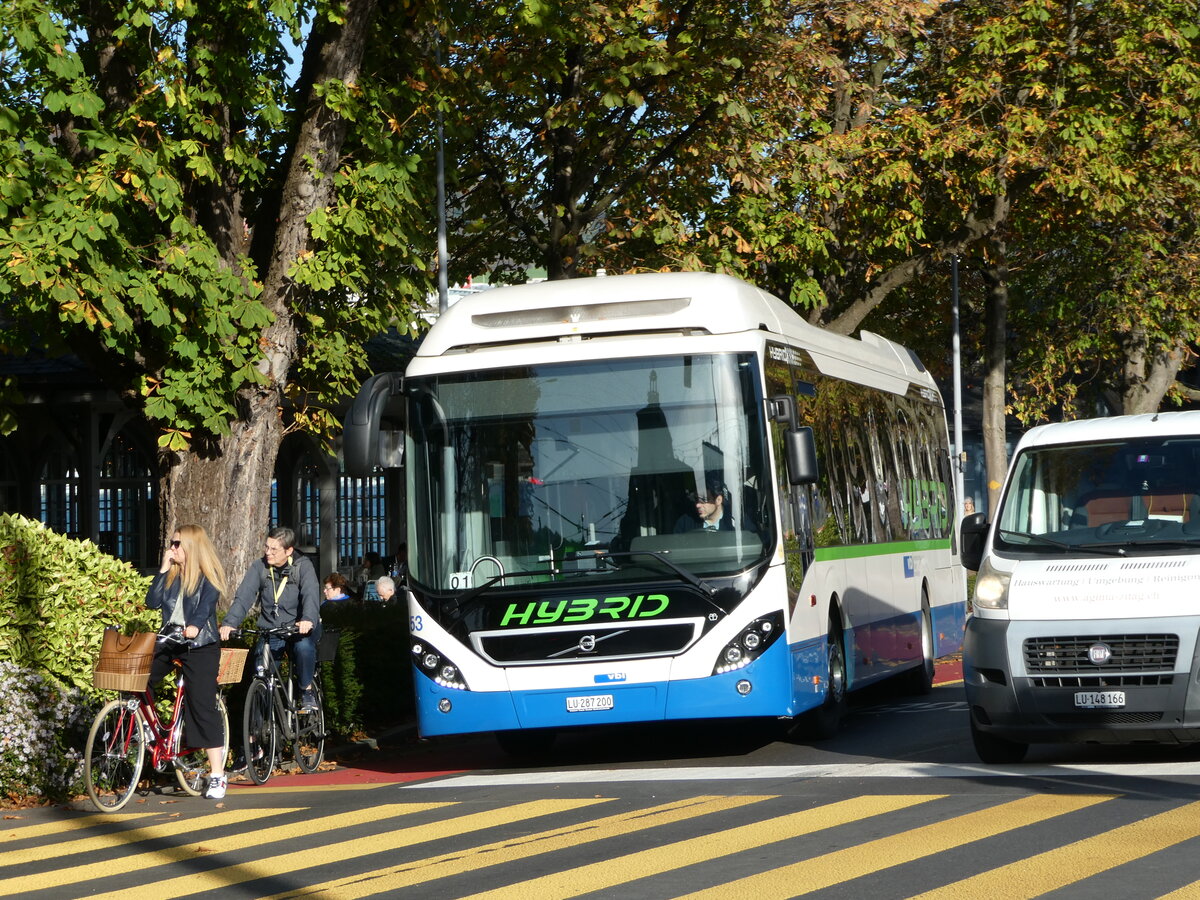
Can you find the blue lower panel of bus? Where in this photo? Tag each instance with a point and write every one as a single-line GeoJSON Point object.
{"type": "Point", "coordinates": [770, 677]}
{"type": "Point", "coordinates": [949, 623]}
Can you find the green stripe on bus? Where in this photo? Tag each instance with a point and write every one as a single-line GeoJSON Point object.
{"type": "Point", "coordinates": [823, 554]}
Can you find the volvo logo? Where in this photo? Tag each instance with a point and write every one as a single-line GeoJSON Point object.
{"type": "Point", "coordinates": [587, 643]}
{"type": "Point", "coordinates": [1100, 653]}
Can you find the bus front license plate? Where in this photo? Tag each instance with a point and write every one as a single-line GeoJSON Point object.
{"type": "Point", "coordinates": [1100, 699]}
{"type": "Point", "coordinates": [590, 704]}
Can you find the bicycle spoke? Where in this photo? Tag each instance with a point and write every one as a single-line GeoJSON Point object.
{"type": "Point", "coordinates": [114, 756]}
{"type": "Point", "coordinates": [310, 738]}
{"type": "Point", "coordinates": [259, 733]}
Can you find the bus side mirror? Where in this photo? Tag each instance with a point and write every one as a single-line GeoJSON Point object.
{"type": "Point", "coordinates": [972, 540]}
{"type": "Point", "coordinates": [801, 449]}
{"type": "Point", "coordinates": [360, 430]}
{"type": "Point", "coordinates": [799, 446]}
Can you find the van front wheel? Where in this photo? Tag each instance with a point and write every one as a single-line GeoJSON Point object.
{"type": "Point", "coordinates": [995, 750]}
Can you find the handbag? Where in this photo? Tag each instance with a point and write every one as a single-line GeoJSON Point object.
{"type": "Point", "coordinates": [124, 662]}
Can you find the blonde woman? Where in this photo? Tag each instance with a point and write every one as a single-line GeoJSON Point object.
{"type": "Point", "coordinates": [188, 587]}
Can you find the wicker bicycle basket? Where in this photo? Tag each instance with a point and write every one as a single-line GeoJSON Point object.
{"type": "Point", "coordinates": [233, 661]}
{"type": "Point", "coordinates": [126, 672]}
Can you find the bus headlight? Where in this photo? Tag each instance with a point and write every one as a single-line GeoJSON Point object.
{"type": "Point", "coordinates": [991, 587]}
{"type": "Point", "coordinates": [750, 643]}
{"type": "Point", "coordinates": [430, 662]}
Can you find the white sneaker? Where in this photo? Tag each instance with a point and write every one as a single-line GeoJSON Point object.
{"type": "Point", "coordinates": [216, 787]}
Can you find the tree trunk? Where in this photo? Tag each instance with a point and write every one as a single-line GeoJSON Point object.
{"type": "Point", "coordinates": [995, 448]}
{"type": "Point", "coordinates": [229, 493]}
{"type": "Point", "coordinates": [1148, 374]}
{"type": "Point", "coordinates": [225, 484]}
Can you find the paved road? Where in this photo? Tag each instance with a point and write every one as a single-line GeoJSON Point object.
{"type": "Point", "coordinates": [894, 807]}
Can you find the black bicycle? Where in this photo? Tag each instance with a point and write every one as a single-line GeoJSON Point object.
{"type": "Point", "coordinates": [274, 717]}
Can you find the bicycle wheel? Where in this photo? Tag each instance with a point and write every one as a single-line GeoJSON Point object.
{"type": "Point", "coordinates": [191, 765]}
{"type": "Point", "coordinates": [310, 735]}
{"type": "Point", "coordinates": [260, 733]}
{"type": "Point", "coordinates": [113, 759]}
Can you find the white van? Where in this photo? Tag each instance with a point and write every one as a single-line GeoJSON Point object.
{"type": "Point", "coordinates": [1087, 601]}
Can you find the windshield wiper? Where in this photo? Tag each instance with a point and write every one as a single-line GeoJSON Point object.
{"type": "Point", "coordinates": [1178, 543]}
{"type": "Point", "coordinates": [1042, 540]}
{"type": "Point", "coordinates": [683, 573]}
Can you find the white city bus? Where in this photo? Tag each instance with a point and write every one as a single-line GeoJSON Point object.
{"type": "Point", "coordinates": [566, 445]}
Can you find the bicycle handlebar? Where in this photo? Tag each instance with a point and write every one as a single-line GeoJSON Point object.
{"type": "Point", "coordinates": [172, 636]}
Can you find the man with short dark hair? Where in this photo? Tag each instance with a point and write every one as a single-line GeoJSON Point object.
{"type": "Point", "coordinates": [288, 592]}
{"type": "Point", "coordinates": [712, 511]}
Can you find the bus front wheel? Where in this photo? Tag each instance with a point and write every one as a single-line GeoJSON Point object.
{"type": "Point", "coordinates": [823, 722]}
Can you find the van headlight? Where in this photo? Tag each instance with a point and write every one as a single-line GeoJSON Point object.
{"type": "Point", "coordinates": [991, 587]}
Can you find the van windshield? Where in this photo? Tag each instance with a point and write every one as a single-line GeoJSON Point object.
{"type": "Point", "coordinates": [1134, 496]}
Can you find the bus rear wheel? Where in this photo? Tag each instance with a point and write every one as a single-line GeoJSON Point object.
{"type": "Point", "coordinates": [920, 679]}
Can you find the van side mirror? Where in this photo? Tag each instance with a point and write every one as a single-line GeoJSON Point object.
{"type": "Point", "coordinates": [972, 540]}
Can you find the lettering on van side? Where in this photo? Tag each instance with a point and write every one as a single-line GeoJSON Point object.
{"type": "Point", "coordinates": [584, 609]}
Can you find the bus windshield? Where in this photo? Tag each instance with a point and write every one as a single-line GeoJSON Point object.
{"type": "Point", "coordinates": [1113, 497]}
{"type": "Point", "coordinates": [575, 469]}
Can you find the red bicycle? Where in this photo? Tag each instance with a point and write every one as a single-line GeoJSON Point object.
{"type": "Point", "coordinates": [126, 727]}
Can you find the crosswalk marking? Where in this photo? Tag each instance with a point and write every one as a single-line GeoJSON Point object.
{"type": "Point", "coordinates": [151, 859]}
{"type": "Point", "coordinates": [127, 836]}
{"type": "Point", "coordinates": [525, 847]}
{"type": "Point", "coordinates": [1057, 868]}
{"type": "Point", "coordinates": [863, 859]}
{"type": "Point", "coordinates": [71, 823]}
{"type": "Point", "coordinates": [598, 843]}
{"type": "Point", "coordinates": [655, 861]}
{"type": "Point", "coordinates": [1187, 892]}
{"type": "Point", "coordinates": [239, 873]}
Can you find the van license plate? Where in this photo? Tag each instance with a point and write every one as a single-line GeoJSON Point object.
{"type": "Point", "coordinates": [588, 704]}
{"type": "Point", "coordinates": [1099, 699]}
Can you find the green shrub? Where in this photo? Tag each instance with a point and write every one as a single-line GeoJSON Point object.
{"type": "Point", "coordinates": [57, 595]}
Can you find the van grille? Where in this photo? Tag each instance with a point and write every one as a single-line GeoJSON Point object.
{"type": "Point", "coordinates": [1099, 682]}
{"type": "Point", "coordinates": [1130, 653]}
{"type": "Point", "coordinates": [1082, 720]}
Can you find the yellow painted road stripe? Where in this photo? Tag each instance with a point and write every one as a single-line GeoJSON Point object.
{"type": "Point", "coordinates": [326, 854]}
{"type": "Point", "coordinates": [199, 847]}
{"type": "Point", "coordinates": [124, 837]}
{"type": "Point", "coordinates": [74, 823]}
{"type": "Point", "coordinates": [1057, 868]}
{"type": "Point", "coordinates": [1187, 892]}
{"type": "Point", "coordinates": [620, 870]}
{"type": "Point", "coordinates": [863, 859]}
{"type": "Point", "coordinates": [519, 848]}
